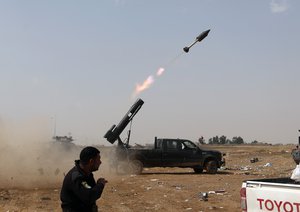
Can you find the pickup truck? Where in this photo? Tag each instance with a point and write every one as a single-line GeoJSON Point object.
{"type": "Point", "coordinates": [277, 194]}
{"type": "Point", "coordinates": [168, 152]}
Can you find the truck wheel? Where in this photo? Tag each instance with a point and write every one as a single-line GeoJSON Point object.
{"type": "Point", "coordinates": [198, 170]}
{"type": "Point", "coordinates": [136, 167]}
{"type": "Point", "coordinates": [211, 167]}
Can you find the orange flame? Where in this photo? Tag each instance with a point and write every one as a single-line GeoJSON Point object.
{"type": "Point", "coordinates": [141, 87]}
{"type": "Point", "coordinates": [147, 83]}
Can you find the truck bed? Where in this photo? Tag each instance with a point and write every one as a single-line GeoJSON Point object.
{"type": "Point", "coordinates": [284, 180]}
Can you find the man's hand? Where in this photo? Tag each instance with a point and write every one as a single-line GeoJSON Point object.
{"type": "Point", "coordinates": [102, 181]}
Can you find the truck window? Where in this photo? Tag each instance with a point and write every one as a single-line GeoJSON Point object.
{"type": "Point", "coordinates": [158, 144]}
{"type": "Point", "coordinates": [172, 145]}
{"type": "Point", "coordinates": [189, 144]}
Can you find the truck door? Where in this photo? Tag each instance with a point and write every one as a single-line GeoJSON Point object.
{"type": "Point", "coordinates": [190, 153]}
{"type": "Point", "coordinates": [154, 156]}
{"type": "Point", "coordinates": [172, 154]}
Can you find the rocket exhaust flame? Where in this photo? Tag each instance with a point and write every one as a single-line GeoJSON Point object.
{"type": "Point", "coordinates": [141, 87]}
{"type": "Point", "coordinates": [147, 83]}
{"type": "Point", "coordinates": [150, 80]}
{"type": "Point", "coordinates": [160, 71]}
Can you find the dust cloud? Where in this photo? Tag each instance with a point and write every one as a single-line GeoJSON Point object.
{"type": "Point", "coordinates": [29, 159]}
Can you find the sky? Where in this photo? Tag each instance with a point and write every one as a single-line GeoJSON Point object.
{"type": "Point", "coordinates": [72, 67]}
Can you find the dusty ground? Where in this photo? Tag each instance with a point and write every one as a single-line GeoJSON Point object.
{"type": "Point", "coordinates": [161, 189]}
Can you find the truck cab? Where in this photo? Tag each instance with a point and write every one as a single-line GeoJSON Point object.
{"type": "Point", "coordinates": [178, 152]}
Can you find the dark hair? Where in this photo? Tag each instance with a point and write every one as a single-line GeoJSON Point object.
{"type": "Point", "coordinates": [88, 153]}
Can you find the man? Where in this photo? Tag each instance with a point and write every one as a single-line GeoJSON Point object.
{"type": "Point", "coordinates": [80, 190]}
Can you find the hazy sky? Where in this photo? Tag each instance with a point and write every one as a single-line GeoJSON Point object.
{"type": "Point", "coordinates": [78, 62]}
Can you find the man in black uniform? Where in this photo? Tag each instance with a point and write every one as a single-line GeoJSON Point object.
{"type": "Point", "coordinates": [80, 190]}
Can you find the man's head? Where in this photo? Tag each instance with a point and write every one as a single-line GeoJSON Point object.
{"type": "Point", "coordinates": [90, 158]}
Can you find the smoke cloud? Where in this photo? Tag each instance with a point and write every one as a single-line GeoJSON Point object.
{"type": "Point", "coordinates": [28, 158]}
{"type": "Point", "coordinates": [31, 159]}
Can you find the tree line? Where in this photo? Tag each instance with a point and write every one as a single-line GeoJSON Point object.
{"type": "Point", "coordinates": [224, 140]}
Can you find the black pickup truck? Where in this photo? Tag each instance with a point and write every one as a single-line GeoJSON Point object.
{"type": "Point", "coordinates": [165, 153]}
{"type": "Point", "coordinates": [168, 152]}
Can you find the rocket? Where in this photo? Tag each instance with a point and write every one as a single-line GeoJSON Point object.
{"type": "Point", "coordinates": [198, 39]}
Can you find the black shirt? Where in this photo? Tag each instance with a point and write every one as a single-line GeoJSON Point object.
{"type": "Point", "coordinates": [79, 191]}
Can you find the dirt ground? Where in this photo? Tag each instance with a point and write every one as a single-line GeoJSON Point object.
{"type": "Point", "coordinates": [160, 189]}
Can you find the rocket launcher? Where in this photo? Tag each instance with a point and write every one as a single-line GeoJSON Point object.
{"type": "Point", "coordinates": [114, 132]}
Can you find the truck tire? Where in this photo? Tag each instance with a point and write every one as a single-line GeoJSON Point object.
{"type": "Point", "coordinates": [136, 167]}
{"type": "Point", "coordinates": [198, 169]}
{"type": "Point", "coordinates": [211, 167]}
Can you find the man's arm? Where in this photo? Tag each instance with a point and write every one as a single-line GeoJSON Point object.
{"type": "Point", "coordinates": [85, 192]}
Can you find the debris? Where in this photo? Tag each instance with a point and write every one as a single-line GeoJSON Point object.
{"type": "Point", "coordinates": [217, 192]}
{"type": "Point", "coordinates": [45, 198]}
{"type": "Point", "coordinates": [268, 165]}
{"type": "Point", "coordinates": [204, 196]}
{"type": "Point", "coordinates": [160, 184]}
{"type": "Point", "coordinates": [245, 168]}
{"type": "Point", "coordinates": [178, 188]}
{"type": "Point", "coordinates": [253, 160]}
{"type": "Point", "coordinates": [154, 180]}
